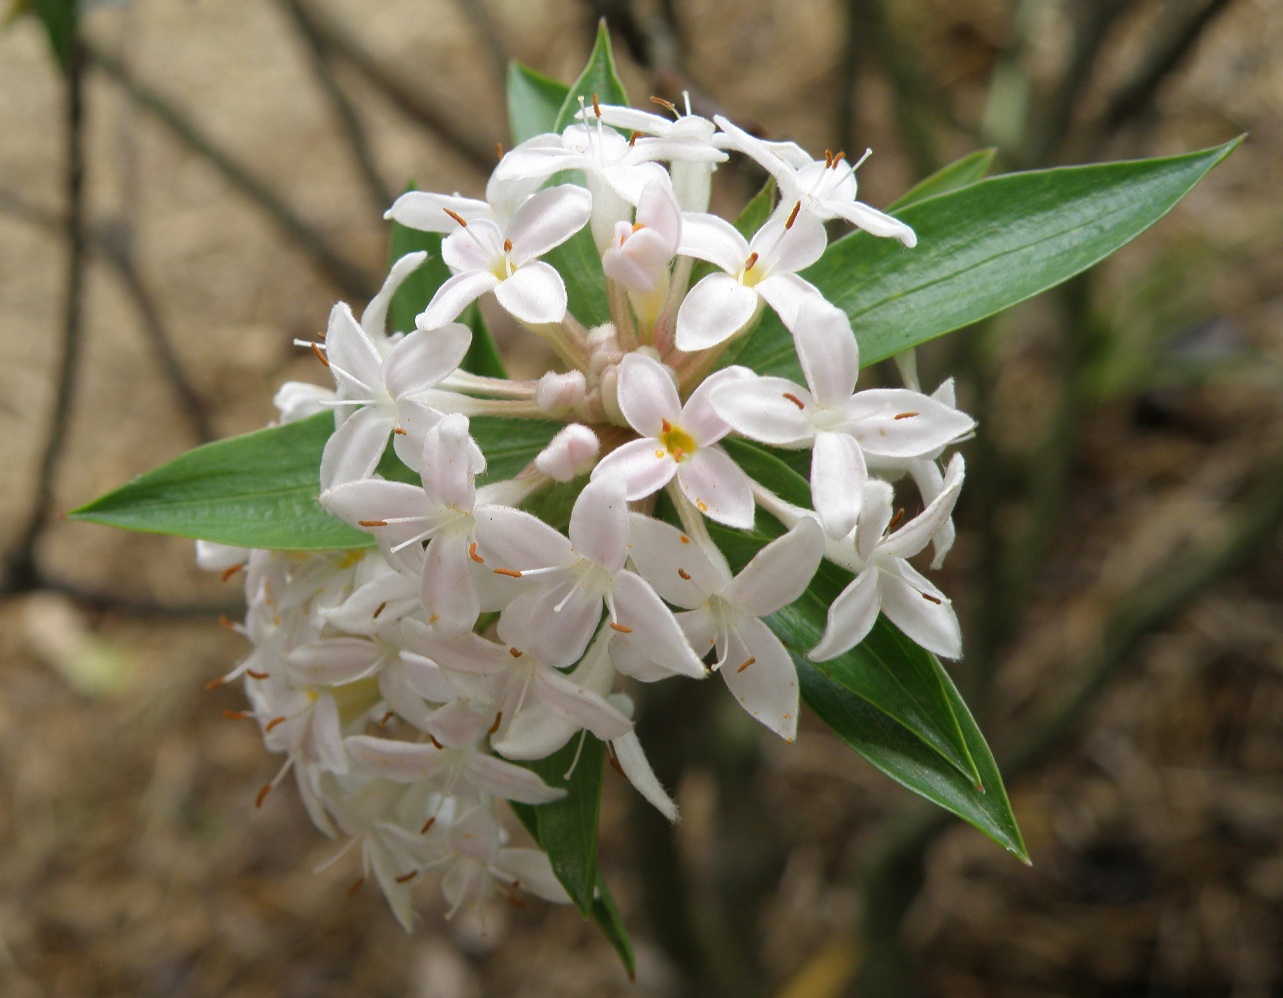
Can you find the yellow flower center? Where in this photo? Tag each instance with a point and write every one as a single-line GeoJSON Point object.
{"type": "Point", "coordinates": [679, 444]}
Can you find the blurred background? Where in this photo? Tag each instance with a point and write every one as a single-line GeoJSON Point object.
{"type": "Point", "coordinates": [225, 167]}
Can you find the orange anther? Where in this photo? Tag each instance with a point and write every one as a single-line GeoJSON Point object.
{"type": "Point", "coordinates": [793, 215]}
{"type": "Point", "coordinates": [226, 621]}
{"type": "Point", "coordinates": [904, 415]}
{"type": "Point", "coordinates": [472, 553]}
{"type": "Point", "coordinates": [685, 539]}
{"type": "Point", "coordinates": [595, 106]}
{"type": "Point", "coordinates": [379, 609]}
{"type": "Point", "coordinates": [255, 675]}
{"type": "Point", "coordinates": [456, 216]}
{"type": "Point", "coordinates": [214, 684]}
{"type": "Point", "coordinates": [427, 826]}
{"type": "Point", "coordinates": [382, 721]}
{"type": "Point", "coordinates": [258, 801]}
{"type": "Point", "coordinates": [745, 664]}
{"type": "Point", "coordinates": [895, 520]}
{"type": "Point", "coordinates": [231, 570]}
{"type": "Point", "coordinates": [751, 262]}
{"type": "Point", "coordinates": [236, 715]}
{"type": "Point", "coordinates": [632, 138]}
{"type": "Point", "coordinates": [372, 523]}
{"type": "Point", "coordinates": [507, 245]}
{"type": "Point", "coordinates": [621, 628]}
{"type": "Point", "coordinates": [498, 719]}
{"type": "Point", "coordinates": [320, 356]}
{"type": "Point", "coordinates": [684, 574]}
{"type": "Point", "coordinates": [433, 740]}
{"type": "Point", "coordinates": [931, 599]}
{"type": "Point", "coordinates": [498, 150]}
{"type": "Point", "coordinates": [795, 400]}
{"type": "Point", "coordinates": [512, 573]}
{"type": "Point", "coordinates": [515, 652]}
{"type": "Point", "coordinates": [272, 724]}
{"type": "Point", "coordinates": [356, 886]}
{"type": "Point", "coordinates": [405, 878]}
{"type": "Point", "coordinates": [398, 431]}
{"type": "Point", "coordinates": [664, 103]}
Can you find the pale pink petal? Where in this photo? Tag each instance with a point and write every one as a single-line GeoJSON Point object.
{"type": "Point", "coordinates": [677, 569]}
{"type": "Point", "coordinates": [503, 779]}
{"type": "Point", "coordinates": [788, 250]}
{"type": "Point", "coordinates": [599, 523]}
{"type": "Point", "coordinates": [898, 423]}
{"type": "Point", "coordinates": [475, 246]}
{"type": "Point", "coordinates": [647, 395]}
{"type": "Point", "coordinates": [780, 572]}
{"type": "Point", "coordinates": [407, 704]}
{"type": "Point", "coordinates": [334, 661]}
{"type": "Point", "coordinates": [921, 610]}
{"type": "Point", "coordinates": [632, 760]}
{"type": "Point", "coordinates": [714, 310]}
{"type": "Point", "coordinates": [711, 238]}
{"type": "Point", "coordinates": [455, 294]}
{"type": "Point", "coordinates": [403, 762]}
{"type": "Point", "coordinates": [838, 474]}
{"type": "Point", "coordinates": [424, 358]}
{"type": "Point", "coordinates": [354, 450]}
{"type": "Point", "coordinates": [874, 222]}
{"type": "Point", "coordinates": [374, 500]}
{"type": "Point", "coordinates": [354, 359]}
{"type": "Point", "coordinates": [658, 210]}
{"type": "Point", "coordinates": [326, 735]}
{"type": "Point", "coordinates": [717, 486]}
{"type": "Point", "coordinates": [699, 418]}
{"type": "Point", "coordinates": [761, 675]}
{"type": "Point", "coordinates": [548, 219]}
{"type": "Point", "coordinates": [514, 539]}
{"type": "Point", "coordinates": [579, 705]}
{"type": "Point", "coordinates": [787, 293]}
{"type": "Point", "coordinates": [643, 465]}
{"type": "Point", "coordinates": [426, 212]}
{"type": "Point", "coordinates": [531, 870]}
{"type": "Point", "coordinates": [446, 464]}
{"type": "Point", "coordinates": [652, 632]}
{"type": "Point", "coordinates": [448, 595]}
{"type": "Point", "coordinates": [828, 352]}
{"type": "Point", "coordinates": [535, 294]}
{"type": "Point", "coordinates": [851, 617]}
{"type": "Point", "coordinates": [772, 410]}
{"type": "Point", "coordinates": [559, 621]}
{"type": "Point", "coordinates": [375, 317]}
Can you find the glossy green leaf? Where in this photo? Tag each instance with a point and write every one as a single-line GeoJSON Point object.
{"type": "Point", "coordinates": [885, 669]}
{"type": "Point", "coordinates": [580, 267]}
{"type": "Point", "coordinates": [960, 173]}
{"type": "Point", "coordinates": [566, 829]}
{"type": "Point", "coordinates": [533, 102]}
{"type": "Point", "coordinates": [894, 750]}
{"type": "Point", "coordinates": [599, 77]}
{"type": "Point", "coordinates": [259, 490]}
{"type": "Point", "coordinates": [757, 211]}
{"type": "Point", "coordinates": [982, 249]}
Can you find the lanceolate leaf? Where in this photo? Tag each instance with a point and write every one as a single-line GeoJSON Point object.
{"type": "Point", "coordinates": [259, 490]}
{"type": "Point", "coordinates": [956, 175]}
{"type": "Point", "coordinates": [579, 265]}
{"type": "Point", "coordinates": [533, 102]}
{"type": "Point", "coordinates": [984, 248]}
{"type": "Point", "coordinates": [894, 750]}
{"type": "Point", "coordinates": [599, 77]}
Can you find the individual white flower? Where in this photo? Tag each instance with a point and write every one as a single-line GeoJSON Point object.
{"type": "Point", "coordinates": [843, 427]}
{"type": "Point", "coordinates": [640, 254]}
{"type": "Point", "coordinates": [677, 440]}
{"type": "Point", "coordinates": [485, 257]}
{"type": "Point", "coordinates": [724, 613]}
{"type": "Point", "coordinates": [884, 581]}
{"type": "Point", "coordinates": [761, 270]}
{"type": "Point", "coordinates": [825, 187]}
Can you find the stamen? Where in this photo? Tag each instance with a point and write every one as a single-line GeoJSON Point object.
{"type": "Point", "coordinates": [793, 216]}
{"type": "Point", "coordinates": [895, 520]}
{"type": "Point", "coordinates": [258, 801]}
{"type": "Point", "coordinates": [498, 719]}
{"type": "Point", "coordinates": [751, 261]}
{"type": "Point", "coordinates": [860, 162]}
{"type": "Point", "coordinates": [684, 574]}
{"type": "Point", "coordinates": [255, 675]}
{"type": "Point", "coordinates": [795, 400]}
{"type": "Point", "coordinates": [456, 216]}
{"type": "Point", "coordinates": [472, 553]}
{"type": "Point", "coordinates": [828, 159]}
{"type": "Point", "coordinates": [638, 226]}
{"type": "Point", "coordinates": [316, 349]}
{"type": "Point", "coordinates": [838, 158]}
{"type": "Point", "coordinates": [274, 722]}
{"type": "Point", "coordinates": [230, 571]}
{"type": "Point", "coordinates": [745, 664]}
{"type": "Point", "coordinates": [931, 599]}
{"type": "Point", "coordinates": [596, 108]}
{"type": "Point", "coordinates": [621, 628]}
{"type": "Point", "coordinates": [685, 539]}
{"type": "Point", "coordinates": [398, 431]}
{"type": "Point", "coordinates": [214, 684]}
{"type": "Point", "coordinates": [226, 621]}
{"type": "Point", "coordinates": [515, 652]}
{"type": "Point", "coordinates": [632, 138]}
{"type": "Point", "coordinates": [701, 505]}
{"type": "Point", "coordinates": [236, 715]}
{"type": "Point", "coordinates": [498, 150]}
{"type": "Point", "coordinates": [512, 573]}
{"type": "Point", "coordinates": [666, 103]}
{"type": "Point", "coordinates": [507, 245]}
{"type": "Point", "coordinates": [515, 901]}
{"type": "Point", "coordinates": [382, 721]}
{"type": "Point", "coordinates": [904, 415]}
{"type": "Point", "coordinates": [427, 825]}
{"type": "Point", "coordinates": [405, 878]}
{"type": "Point", "coordinates": [381, 607]}
{"type": "Point", "coordinates": [372, 523]}
{"type": "Point", "coordinates": [356, 886]}
{"type": "Point", "coordinates": [614, 764]}
{"type": "Point", "coordinates": [666, 426]}
{"type": "Point", "coordinates": [433, 740]}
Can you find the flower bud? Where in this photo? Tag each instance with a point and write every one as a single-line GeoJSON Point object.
{"type": "Point", "coordinates": [557, 393]}
{"type": "Point", "coordinates": [571, 453]}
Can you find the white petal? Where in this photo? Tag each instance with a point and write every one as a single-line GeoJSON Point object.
{"type": "Point", "coordinates": [531, 870]}
{"type": "Point", "coordinates": [772, 410]}
{"type": "Point", "coordinates": [426, 212]}
{"type": "Point", "coordinates": [711, 238]}
{"type": "Point", "coordinates": [403, 762]}
{"type": "Point", "coordinates": [699, 418]}
{"type": "Point", "coordinates": [512, 538]}
{"type": "Point", "coordinates": [632, 760]}
{"type": "Point", "coordinates": [652, 633]}
{"type": "Point", "coordinates": [599, 523]}
{"type": "Point", "coordinates": [548, 219]}
{"type": "Point", "coordinates": [921, 610]}
{"type": "Point", "coordinates": [423, 359]}
{"type": "Point", "coordinates": [354, 358]}
{"type": "Point", "coordinates": [354, 450]}
{"type": "Point", "coordinates": [713, 311]}
{"type": "Point", "coordinates": [643, 465]}
{"type": "Point", "coordinates": [786, 251]}
{"type": "Point", "coordinates": [580, 705]}
{"type": "Point", "coordinates": [455, 294]}
{"type": "Point", "coordinates": [827, 350]}
{"type": "Point", "coordinates": [448, 595]}
{"type": "Point", "coordinates": [874, 222]}
{"type": "Point", "coordinates": [446, 464]}
{"type": "Point", "coordinates": [535, 294]}
{"type": "Point", "coordinates": [780, 572]}
{"type": "Point", "coordinates": [677, 569]}
{"type": "Point", "coordinates": [838, 475]}
{"type": "Point", "coordinates": [875, 517]}
{"type": "Point", "coordinates": [767, 688]}
{"type": "Point", "coordinates": [918, 532]}
{"type": "Point", "coordinates": [647, 395]}
{"type": "Point", "coordinates": [334, 661]}
{"type": "Point", "coordinates": [898, 423]}
{"type": "Point", "coordinates": [717, 486]}
{"type": "Point", "coordinates": [787, 293]}
{"type": "Point", "coordinates": [503, 779]}
{"type": "Point", "coordinates": [375, 317]}
{"type": "Point", "coordinates": [850, 618]}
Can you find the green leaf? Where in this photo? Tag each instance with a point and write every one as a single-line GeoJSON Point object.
{"type": "Point", "coordinates": [598, 78]}
{"type": "Point", "coordinates": [982, 249]}
{"type": "Point", "coordinates": [533, 102]}
{"type": "Point", "coordinates": [579, 265]}
{"type": "Point", "coordinates": [259, 490]}
{"type": "Point", "coordinates": [886, 669]}
{"type": "Point", "coordinates": [896, 752]}
{"type": "Point", "coordinates": [960, 173]}
{"type": "Point", "coordinates": [59, 18]}
{"type": "Point", "coordinates": [757, 211]}
{"type": "Point", "coordinates": [606, 914]}
{"type": "Point", "coordinates": [566, 829]}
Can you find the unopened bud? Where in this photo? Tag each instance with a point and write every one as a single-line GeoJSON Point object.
{"type": "Point", "coordinates": [571, 453]}
{"type": "Point", "coordinates": [557, 393]}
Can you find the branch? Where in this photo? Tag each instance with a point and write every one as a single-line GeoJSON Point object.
{"type": "Point", "coordinates": [351, 279]}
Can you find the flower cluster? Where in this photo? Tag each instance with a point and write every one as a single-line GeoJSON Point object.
{"type": "Point", "coordinates": [406, 682]}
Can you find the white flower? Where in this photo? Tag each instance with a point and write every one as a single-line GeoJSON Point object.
{"type": "Point", "coordinates": [885, 581]}
{"type": "Point", "coordinates": [724, 613]}
{"type": "Point", "coordinates": [825, 187]}
{"type": "Point", "coordinates": [763, 269]}
{"type": "Point", "coordinates": [485, 257]}
{"type": "Point", "coordinates": [677, 440]}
